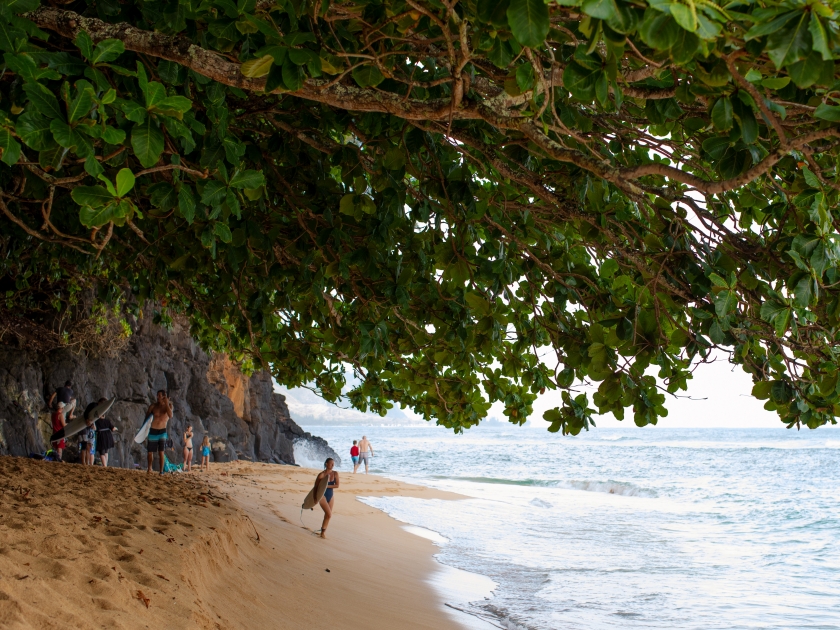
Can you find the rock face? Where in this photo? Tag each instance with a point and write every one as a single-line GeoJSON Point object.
{"type": "Point", "coordinates": [243, 416]}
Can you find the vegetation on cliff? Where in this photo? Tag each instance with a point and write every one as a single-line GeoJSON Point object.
{"type": "Point", "coordinates": [467, 201]}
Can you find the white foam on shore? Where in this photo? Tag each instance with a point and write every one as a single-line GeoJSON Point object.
{"type": "Point", "coordinates": [458, 588]}
{"type": "Point", "coordinates": [428, 534]}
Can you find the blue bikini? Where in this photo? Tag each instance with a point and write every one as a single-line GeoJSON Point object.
{"type": "Point", "coordinates": [328, 495]}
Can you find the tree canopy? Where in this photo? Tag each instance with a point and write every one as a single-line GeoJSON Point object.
{"type": "Point", "coordinates": [467, 202]}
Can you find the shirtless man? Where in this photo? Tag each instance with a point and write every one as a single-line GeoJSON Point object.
{"type": "Point", "coordinates": [162, 412]}
{"type": "Point", "coordinates": [365, 452]}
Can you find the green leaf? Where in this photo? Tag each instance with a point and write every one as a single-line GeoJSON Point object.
{"type": "Point", "coordinates": [347, 205]}
{"type": "Point", "coordinates": [725, 303]}
{"type": "Point", "coordinates": [133, 111]}
{"type": "Point", "coordinates": [761, 390]}
{"type": "Point", "coordinates": [147, 142]}
{"type": "Point", "coordinates": [80, 106]}
{"type": "Point", "coordinates": [528, 20]}
{"type": "Point", "coordinates": [9, 147]}
{"type": "Point", "coordinates": [828, 112]}
{"type": "Point", "coordinates": [256, 68]}
{"type": "Point", "coordinates": [247, 179]}
{"type": "Point", "coordinates": [819, 37]}
{"type": "Point", "coordinates": [368, 76]}
{"type": "Point", "coordinates": [493, 12]}
{"type": "Point", "coordinates": [600, 9]}
{"type": "Point", "coordinates": [113, 136]}
{"type": "Point", "coordinates": [214, 192]}
{"type": "Point", "coordinates": [125, 182]}
{"type": "Point", "coordinates": [791, 43]}
{"type": "Point", "coordinates": [685, 16]}
{"type": "Point", "coordinates": [722, 114]}
{"type": "Point", "coordinates": [85, 44]}
{"type": "Point", "coordinates": [223, 232]}
{"type": "Point", "coordinates": [775, 83]}
{"type": "Point", "coordinates": [478, 304]}
{"type": "Point", "coordinates": [154, 93]}
{"type": "Point", "coordinates": [34, 130]}
{"type": "Point", "coordinates": [293, 76]}
{"type": "Point", "coordinates": [93, 196]}
{"type": "Point", "coordinates": [93, 167]}
{"type": "Point", "coordinates": [580, 81]}
{"type": "Point", "coordinates": [44, 100]}
{"type": "Point", "coordinates": [97, 217]}
{"type": "Point", "coordinates": [70, 138]}
{"type": "Point", "coordinates": [107, 50]}
{"type": "Point", "coordinates": [186, 203]}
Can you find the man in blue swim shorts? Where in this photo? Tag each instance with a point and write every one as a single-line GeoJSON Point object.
{"type": "Point", "coordinates": [156, 443]}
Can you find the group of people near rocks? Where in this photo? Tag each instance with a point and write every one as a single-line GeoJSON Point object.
{"type": "Point", "coordinates": [98, 434]}
{"type": "Point", "coordinates": [97, 437]}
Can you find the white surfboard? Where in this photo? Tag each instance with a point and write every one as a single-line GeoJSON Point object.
{"type": "Point", "coordinates": [72, 428]}
{"type": "Point", "coordinates": [101, 409]}
{"type": "Point", "coordinates": [316, 493]}
{"type": "Point", "coordinates": [143, 433]}
{"type": "Point", "coordinates": [69, 430]}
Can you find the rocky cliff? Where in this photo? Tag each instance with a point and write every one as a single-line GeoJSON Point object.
{"type": "Point", "coordinates": [243, 416]}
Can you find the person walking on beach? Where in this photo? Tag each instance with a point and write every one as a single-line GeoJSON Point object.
{"type": "Point", "coordinates": [327, 501]}
{"type": "Point", "coordinates": [354, 455]}
{"type": "Point", "coordinates": [104, 436]}
{"type": "Point", "coordinates": [205, 454]}
{"type": "Point", "coordinates": [188, 448]}
{"type": "Point", "coordinates": [64, 395]}
{"type": "Point", "coordinates": [162, 412]}
{"type": "Point", "coordinates": [366, 452]}
{"type": "Point", "coordinates": [58, 423]}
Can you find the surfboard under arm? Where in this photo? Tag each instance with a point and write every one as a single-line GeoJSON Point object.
{"type": "Point", "coordinates": [315, 494]}
{"type": "Point", "coordinates": [143, 433]}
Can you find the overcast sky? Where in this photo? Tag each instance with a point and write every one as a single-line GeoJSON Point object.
{"type": "Point", "coordinates": [719, 397]}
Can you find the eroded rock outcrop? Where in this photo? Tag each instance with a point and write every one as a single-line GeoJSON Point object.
{"type": "Point", "coordinates": [243, 416]}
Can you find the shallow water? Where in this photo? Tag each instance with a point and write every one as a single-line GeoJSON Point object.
{"type": "Point", "coordinates": [629, 528]}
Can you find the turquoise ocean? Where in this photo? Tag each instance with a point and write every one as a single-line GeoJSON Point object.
{"type": "Point", "coordinates": [626, 528]}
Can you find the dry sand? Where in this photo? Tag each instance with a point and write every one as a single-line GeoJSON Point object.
{"type": "Point", "coordinates": [87, 547]}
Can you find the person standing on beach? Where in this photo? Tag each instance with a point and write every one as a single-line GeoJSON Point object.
{"type": "Point", "coordinates": [327, 501]}
{"type": "Point", "coordinates": [188, 448]}
{"type": "Point", "coordinates": [64, 395]}
{"type": "Point", "coordinates": [162, 412]}
{"type": "Point", "coordinates": [58, 423]}
{"type": "Point", "coordinates": [366, 452]}
{"type": "Point", "coordinates": [205, 454]}
{"type": "Point", "coordinates": [104, 435]}
{"type": "Point", "coordinates": [354, 455]}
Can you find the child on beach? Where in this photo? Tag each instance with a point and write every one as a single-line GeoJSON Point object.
{"type": "Point", "coordinates": [205, 453]}
{"type": "Point", "coordinates": [354, 455]}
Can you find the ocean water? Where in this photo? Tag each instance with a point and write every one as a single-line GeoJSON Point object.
{"type": "Point", "coordinates": [627, 528]}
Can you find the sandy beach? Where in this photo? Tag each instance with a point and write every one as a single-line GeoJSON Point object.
{"type": "Point", "coordinates": [114, 548]}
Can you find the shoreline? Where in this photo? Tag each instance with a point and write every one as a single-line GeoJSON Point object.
{"type": "Point", "coordinates": [117, 548]}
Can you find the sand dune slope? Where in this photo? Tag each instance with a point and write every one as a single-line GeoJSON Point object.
{"type": "Point", "coordinates": [84, 547]}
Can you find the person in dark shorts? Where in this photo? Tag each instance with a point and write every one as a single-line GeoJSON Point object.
{"type": "Point", "coordinates": [104, 434]}
{"type": "Point", "coordinates": [86, 437]}
{"type": "Point", "coordinates": [64, 395]}
{"type": "Point", "coordinates": [161, 409]}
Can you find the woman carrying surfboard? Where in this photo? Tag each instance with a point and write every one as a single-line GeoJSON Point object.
{"type": "Point", "coordinates": [327, 499]}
